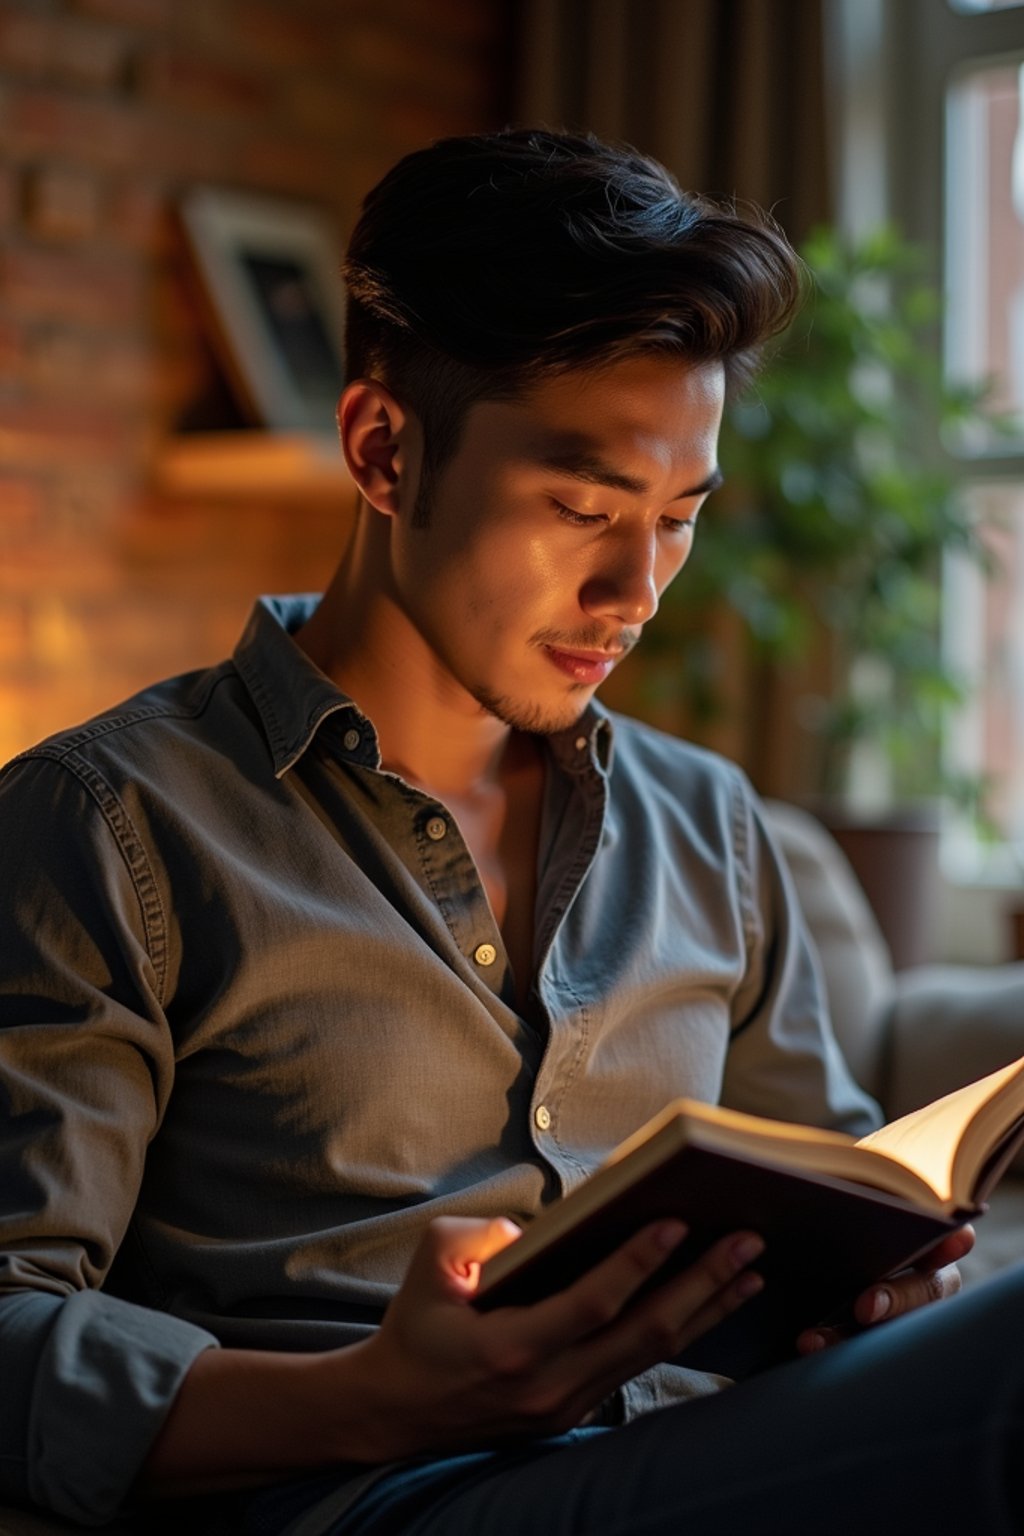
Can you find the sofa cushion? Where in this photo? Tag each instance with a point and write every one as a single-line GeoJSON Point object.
{"type": "Point", "coordinates": [855, 961]}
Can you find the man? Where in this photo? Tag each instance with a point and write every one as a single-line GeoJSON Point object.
{"type": "Point", "coordinates": [322, 964]}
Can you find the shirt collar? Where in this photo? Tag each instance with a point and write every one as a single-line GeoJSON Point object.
{"type": "Point", "coordinates": [293, 697]}
{"type": "Point", "coordinates": [585, 745]}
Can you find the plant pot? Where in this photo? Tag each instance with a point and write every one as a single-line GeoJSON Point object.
{"type": "Point", "coordinates": [895, 856]}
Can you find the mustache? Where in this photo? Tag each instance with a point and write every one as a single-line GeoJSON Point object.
{"type": "Point", "coordinates": [593, 638]}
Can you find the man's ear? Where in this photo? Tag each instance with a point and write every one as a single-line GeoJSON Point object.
{"type": "Point", "coordinates": [380, 441]}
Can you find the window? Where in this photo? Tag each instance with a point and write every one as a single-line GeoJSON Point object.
{"type": "Point", "coordinates": [930, 106]}
{"type": "Point", "coordinates": [984, 339]}
{"type": "Point", "coordinates": [985, 237]}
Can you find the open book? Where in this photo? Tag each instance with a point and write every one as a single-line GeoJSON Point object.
{"type": "Point", "coordinates": [836, 1214]}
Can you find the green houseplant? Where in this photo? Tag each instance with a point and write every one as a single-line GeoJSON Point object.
{"type": "Point", "coordinates": [827, 543]}
{"type": "Point", "coordinates": [839, 507]}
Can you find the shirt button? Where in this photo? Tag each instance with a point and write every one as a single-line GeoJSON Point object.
{"type": "Point", "coordinates": [485, 954]}
{"type": "Point", "coordinates": [581, 742]}
{"type": "Point", "coordinates": [542, 1116]}
{"type": "Point", "coordinates": [350, 740]}
{"type": "Point", "coordinates": [436, 828]}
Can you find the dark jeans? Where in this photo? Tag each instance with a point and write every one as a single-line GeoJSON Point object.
{"type": "Point", "coordinates": [915, 1427]}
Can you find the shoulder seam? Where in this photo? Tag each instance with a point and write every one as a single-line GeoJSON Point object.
{"type": "Point", "coordinates": [132, 850]}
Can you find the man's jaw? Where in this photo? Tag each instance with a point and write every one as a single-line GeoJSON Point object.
{"type": "Point", "coordinates": [583, 662]}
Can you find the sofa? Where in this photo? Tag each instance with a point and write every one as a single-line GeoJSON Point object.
{"type": "Point", "coordinates": [909, 1036]}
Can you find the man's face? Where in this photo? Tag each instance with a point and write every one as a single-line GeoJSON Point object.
{"type": "Point", "coordinates": [553, 532]}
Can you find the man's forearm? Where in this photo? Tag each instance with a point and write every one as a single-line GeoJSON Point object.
{"type": "Point", "coordinates": [247, 1416]}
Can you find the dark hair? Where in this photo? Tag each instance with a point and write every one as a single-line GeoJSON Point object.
{"type": "Point", "coordinates": [481, 265]}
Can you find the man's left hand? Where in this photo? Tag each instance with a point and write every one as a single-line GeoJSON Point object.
{"type": "Point", "coordinates": [933, 1278]}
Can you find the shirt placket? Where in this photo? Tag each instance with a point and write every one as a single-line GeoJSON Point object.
{"type": "Point", "coordinates": [449, 871]}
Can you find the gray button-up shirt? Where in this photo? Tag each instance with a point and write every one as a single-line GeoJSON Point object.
{"type": "Point", "coordinates": [257, 1028]}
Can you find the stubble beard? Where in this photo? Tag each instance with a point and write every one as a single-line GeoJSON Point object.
{"type": "Point", "coordinates": [546, 720]}
{"type": "Point", "coordinates": [533, 718]}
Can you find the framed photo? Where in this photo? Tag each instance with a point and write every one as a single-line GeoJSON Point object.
{"type": "Point", "coordinates": [270, 272]}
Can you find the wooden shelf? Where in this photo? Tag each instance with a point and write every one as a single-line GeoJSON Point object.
{"type": "Point", "coordinates": [248, 464]}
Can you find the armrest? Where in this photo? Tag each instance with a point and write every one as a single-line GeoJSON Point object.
{"type": "Point", "coordinates": [949, 1024]}
{"type": "Point", "coordinates": [856, 965]}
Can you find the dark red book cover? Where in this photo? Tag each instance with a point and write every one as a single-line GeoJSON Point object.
{"type": "Point", "coordinates": [826, 1240]}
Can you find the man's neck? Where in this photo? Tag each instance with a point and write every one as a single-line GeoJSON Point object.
{"type": "Point", "coordinates": [430, 731]}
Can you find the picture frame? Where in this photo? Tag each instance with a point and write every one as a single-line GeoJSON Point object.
{"type": "Point", "coordinates": [269, 271]}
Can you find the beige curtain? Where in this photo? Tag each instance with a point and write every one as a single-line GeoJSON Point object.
{"type": "Point", "coordinates": [730, 95]}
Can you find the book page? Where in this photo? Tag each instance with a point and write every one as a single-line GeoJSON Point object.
{"type": "Point", "coordinates": [928, 1139]}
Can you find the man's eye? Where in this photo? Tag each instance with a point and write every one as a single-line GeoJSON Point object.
{"type": "Point", "coordinates": [680, 524]}
{"type": "Point", "coordinates": [577, 519]}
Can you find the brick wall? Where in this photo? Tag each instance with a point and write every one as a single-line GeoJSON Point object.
{"type": "Point", "coordinates": [109, 110]}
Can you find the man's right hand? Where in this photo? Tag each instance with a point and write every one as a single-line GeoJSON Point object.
{"type": "Point", "coordinates": [442, 1375]}
{"type": "Point", "coordinates": [439, 1375]}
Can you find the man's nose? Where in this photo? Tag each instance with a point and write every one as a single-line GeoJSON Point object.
{"type": "Point", "coordinates": [625, 587]}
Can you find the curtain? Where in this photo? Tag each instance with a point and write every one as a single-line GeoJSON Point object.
{"type": "Point", "coordinates": [729, 94]}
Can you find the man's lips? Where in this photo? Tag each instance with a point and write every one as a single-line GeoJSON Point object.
{"type": "Point", "coordinates": [583, 666]}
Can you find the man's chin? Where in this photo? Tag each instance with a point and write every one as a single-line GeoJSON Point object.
{"type": "Point", "coordinates": [536, 718]}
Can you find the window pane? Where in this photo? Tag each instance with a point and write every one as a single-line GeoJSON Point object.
{"type": "Point", "coordinates": [985, 633]}
{"type": "Point", "coordinates": [985, 239]}
{"type": "Point", "coordinates": [984, 5]}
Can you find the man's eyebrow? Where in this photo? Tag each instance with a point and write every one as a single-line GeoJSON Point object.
{"type": "Point", "coordinates": [590, 468]}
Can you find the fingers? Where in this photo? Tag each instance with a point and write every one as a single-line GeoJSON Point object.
{"type": "Point", "coordinates": [664, 1321]}
{"type": "Point", "coordinates": [934, 1277]}
{"type": "Point", "coordinates": [703, 1295]}
{"type": "Point", "coordinates": [815, 1339]}
{"type": "Point", "coordinates": [906, 1293]}
{"type": "Point", "coordinates": [903, 1293]}
{"type": "Point", "coordinates": [602, 1295]}
{"type": "Point", "coordinates": [952, 1248]}
{"type": "Point", "coordinates": [453, 1248]}
{"type": "Point", "coordinates": [541, 1368]}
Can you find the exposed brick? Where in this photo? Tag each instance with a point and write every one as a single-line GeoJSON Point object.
{"type": "Point", "coordinates": [49, 48]}
{"type": "Point", "coordinates": [185, 83]}
{"type": "Point", "coordinates": [61, 203]}
{"type": "Point", "coordinates": [138, 215]}
{"type": "Point", "coordinates": [323, 107]}
{"type": "Point", "coordinates": [282, 36]}
{"type": "Point", "coordinates": [103, 347]}
{"type": "Point", "coordinates": [12, 356]}
{"type": "Point", "coordinates": [404, 61]}
{"type": "Point", "coordinates": [43, 434]}
{"type": "Point", "coordinates": [21, 509]}
{"type": "Point", "coordinates": [151, 14]}
{"type": "Point", "coordinates": [94, 287]}
{"type": "Point", "coordinates": [413, 122]}
{"type": "Point", "coordinates": [41, 121]}
{"type": "Point", "coordinates": [179, 148]}
{"type": "Point", "coordinates": [26, 43]}
{"type": "Point", "coordinates": [9, 195]}
{"type": "Point", "coordinates": [290, 167]}
{"type": "Point", "coordinates": [105, 368]}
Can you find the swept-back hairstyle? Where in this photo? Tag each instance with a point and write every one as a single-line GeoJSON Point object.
{"type": "Point", "coordinates": [484, 264]}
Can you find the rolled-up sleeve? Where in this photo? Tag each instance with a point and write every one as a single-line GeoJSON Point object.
{"type": "Point", "coordinates": [86, 1065]}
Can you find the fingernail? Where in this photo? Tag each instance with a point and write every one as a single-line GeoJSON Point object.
{"type": "Point", "coordinates": [669, 1234]}
{"type": "Point", "coordinates": [881, 1304]}
{"type": "Point", "coordinates": [749, 1284]}
{"type": "Point", "coordinates": [746, 1249]}
{"type": "Point", "coordinates": [815, 1341]}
